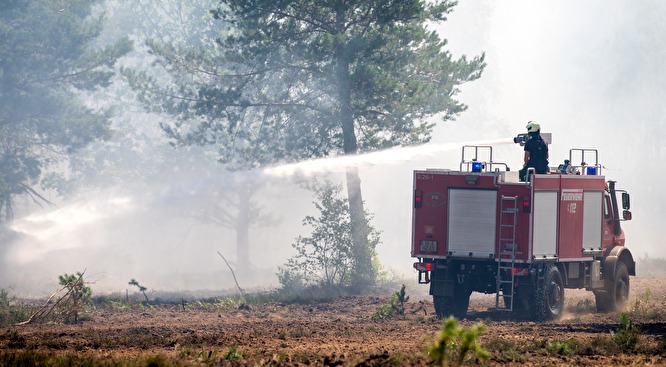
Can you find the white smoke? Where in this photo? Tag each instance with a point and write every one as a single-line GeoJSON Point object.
{"type": "Point", "coordinates": [590, 72]}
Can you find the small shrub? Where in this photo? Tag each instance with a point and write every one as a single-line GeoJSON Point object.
{"type": "Point", "coordinates": [601, 345]}
{"type": "Point", "coordinates": [565, 347]}
{"type": "Point", "coordinates": [237, 302]}
{"type": "Point", "coordinates": [395, 307]}
{"type": "Point", "coordinates": [4, 307]}
{"type": "Point", "coordinates": [455, 342]}
{"type": "Point", "coordinates": [207, 356]}
{"type": "Point", "coordinates": [142, 289]}
{"type": "Point", "coordinates": [326, 257]}
{"type": "Point", "coordinates": [78, 295]}
{"type": "Point", "coordinates": [642, 303]}
{"type": "Point", "coordinates": [11, 312]}
{"type": "Point", "coordinates": [67, 306]}
{"type": "Point", "coordinates": [627, 335]}
{"type": "Point", "coordinates": [232, 354]}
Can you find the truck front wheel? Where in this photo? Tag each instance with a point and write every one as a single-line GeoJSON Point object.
{"type": "Point", "coordinates": [548, 296]}
{"type": "Point", "coordinates": [616, 293]}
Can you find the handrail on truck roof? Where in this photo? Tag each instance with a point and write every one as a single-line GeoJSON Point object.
{"type": "Point", "coordinates": [479, 158]}
{"type": "Point", "coordinates": [474, 164]}
{"type": "Point", "coordinates": [585, 167]}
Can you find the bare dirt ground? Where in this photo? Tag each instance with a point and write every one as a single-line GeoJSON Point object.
{"type": "Point", "coordinates": [341, 332]}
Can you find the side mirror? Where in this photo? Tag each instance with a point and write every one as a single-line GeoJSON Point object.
{"type": "Point", "coordinates": [625, 201]}
{"type": "Point", "coordinates": [626, 215]}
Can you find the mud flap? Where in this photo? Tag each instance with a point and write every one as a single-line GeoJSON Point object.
{"type": "Point", "coordinates": [439, 287]}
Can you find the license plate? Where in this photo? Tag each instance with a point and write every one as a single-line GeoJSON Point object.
{"type": "Point", "coordinates": [428, 246]}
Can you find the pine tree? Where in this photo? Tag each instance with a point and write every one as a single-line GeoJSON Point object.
{"type": "Point", "coordinates": [292, 80]}
{"type": "Point", "coordinates": [47, 61]}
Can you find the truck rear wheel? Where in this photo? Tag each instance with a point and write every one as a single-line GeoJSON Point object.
{"type": "Point", "coordinates": [616, 293]}
{"type": "Point", "coordinates": [446, 306]}
{"type": "Point", "coordinates": [548, 296]}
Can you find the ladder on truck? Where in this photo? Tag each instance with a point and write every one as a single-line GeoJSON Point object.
{"type": "Point", "coordinates": [506, 258]}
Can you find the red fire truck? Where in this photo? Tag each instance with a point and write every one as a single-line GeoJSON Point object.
{"type": "Point", "coordinates": [479, 229]}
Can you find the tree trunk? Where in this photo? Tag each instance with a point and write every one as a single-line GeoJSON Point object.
{"type": "Point", "coordinates": [243, 232]}
{"type": "Point", "coordinates": [364, 274]}
{"type": "Point", "coordinates": [363, 270]}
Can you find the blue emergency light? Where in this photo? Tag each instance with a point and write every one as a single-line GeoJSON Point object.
{"type": "Point", "coordinates": [477, 166]}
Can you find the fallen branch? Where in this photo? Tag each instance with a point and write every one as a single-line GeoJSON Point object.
{"type": "Point", "coordinates": [43, 308]}
{"type": "Point", "coordinates": [233, 274]}
{"type": "Point", "coordinates": [73, 295]}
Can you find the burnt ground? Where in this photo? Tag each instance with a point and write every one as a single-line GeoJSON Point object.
{"type": "Point", "coordinates": [342, 332]}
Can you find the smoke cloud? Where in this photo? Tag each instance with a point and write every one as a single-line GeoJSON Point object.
{"type": "Point", "coordinates": [590, 72]}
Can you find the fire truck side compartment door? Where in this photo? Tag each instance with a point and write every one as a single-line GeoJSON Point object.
{"type": "Point", "coordinates": [472, 222]}
{"type": "Point", "coordinates": [544, 238]}
{"type": "Point", "coordinates": [592, 220]}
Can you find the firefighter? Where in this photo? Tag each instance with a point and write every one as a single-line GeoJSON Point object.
{"type": "Point", "coordinates": [536, 151]}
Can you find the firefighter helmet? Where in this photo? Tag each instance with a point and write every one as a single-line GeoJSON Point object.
{"type": "Point", "coordinates": [533, 127]}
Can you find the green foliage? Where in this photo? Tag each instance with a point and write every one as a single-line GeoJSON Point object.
{"type": "Point", "coordinates": [11, 312]}
{"type": "Point", "coordinates": [142, 289]}
{"type": "Point", "coordinates": [386, 67]}
{"type": "Point", "coordinates": [646, 307]}
{"type": "Point", "coordinates": [286, 83]}
{"type": "Point", "coordinates": [626, 340]}
{"type": "Point", "coordinates": [455, 342]}
{"type": "Point", "coordinates": [565, 347]}
{"type": "Point", "coordinates": [48, 59]}
{"type": "Point", "coordinates": [292, 281]}
{"type": "Point", "coordinates": [232, 354]}
{"type": "Point", "coordinates": [138, 151]}
{"type": "Point", "coordinates": [66, 307]}
{"type": "Point", "coordinates": [325, 257]}
{"type": "Point", "coordinates": [395, 307]}
{"type": "Point", "coordinates": [78, 295]}
{"type": "Point", "coordinates": [627, 335]}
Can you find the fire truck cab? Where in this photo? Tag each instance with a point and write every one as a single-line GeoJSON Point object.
{"type": "Point", "coordinates": [479, 229]}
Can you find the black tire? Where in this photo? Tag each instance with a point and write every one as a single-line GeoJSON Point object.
{"type": "Point", "coordinates": [443, 306]}
{"type": "Point", "coordinates": [456, 306]}
{"type": "Point", "coordinates": [461, 304]}
{"type": "Point", "coordinates": [616, 294]}
{"type": "Point", "coordinates": [548, 296]}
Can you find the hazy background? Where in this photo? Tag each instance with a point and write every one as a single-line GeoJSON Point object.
{"type": "Point", "coordinates": [590, 72]}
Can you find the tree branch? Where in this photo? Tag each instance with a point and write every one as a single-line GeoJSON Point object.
{"type": "Point", "coordinates": [233, 274]}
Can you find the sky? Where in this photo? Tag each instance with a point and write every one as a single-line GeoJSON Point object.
{"type": "Point", "coordinates": [590, 72]}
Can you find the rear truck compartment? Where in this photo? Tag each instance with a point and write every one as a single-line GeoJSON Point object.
{"type": "Point", "coordinates": [478, 229]}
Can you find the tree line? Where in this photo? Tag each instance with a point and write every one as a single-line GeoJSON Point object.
{"type": "Point", "coordinates": [255, 82]}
